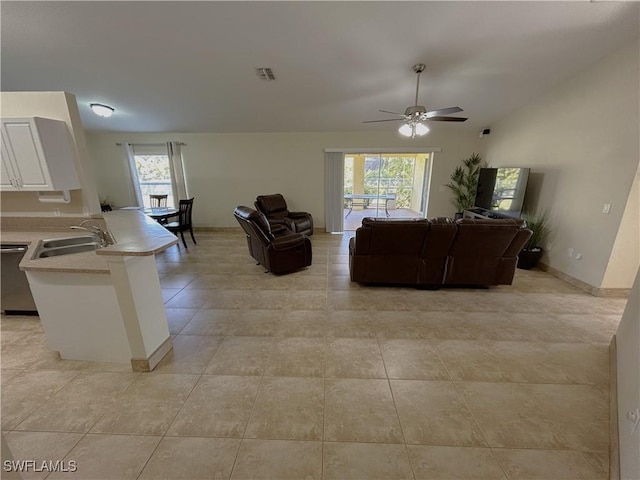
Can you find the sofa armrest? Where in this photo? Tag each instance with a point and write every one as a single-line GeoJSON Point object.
{"type": "Point", "coordinates": [298, 214]}
{"type": "Point", "coordinates": [279, 229]}
{"type": "Point", "coordinates": [285, 242]}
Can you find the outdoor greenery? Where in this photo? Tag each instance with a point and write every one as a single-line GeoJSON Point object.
{"type": "Point", "coordinates": [538, 223]}
{"type": "Point", "coordinates": [390, 175]}
{"type": "Point", "coordinates": [464, 182]}
{"type": "Point", "coordinates": [154, 177]}
{"type": "Point", "coordinates": [153, 168]}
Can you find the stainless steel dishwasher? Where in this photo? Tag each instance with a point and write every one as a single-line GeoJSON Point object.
{"type": "Point", "coordinates": [15, 294]}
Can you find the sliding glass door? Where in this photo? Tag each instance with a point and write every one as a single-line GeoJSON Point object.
{"type": "Point", "coordinates": [385, 185]}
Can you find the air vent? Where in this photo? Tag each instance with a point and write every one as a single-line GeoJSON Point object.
{"type": "Point", "coordinates": [265, 74]}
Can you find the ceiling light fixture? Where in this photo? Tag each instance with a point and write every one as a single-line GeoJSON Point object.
{"type": "Point", "coordinates": [412, 128]}
{"type": "Point", "coordinates": [102, 110]}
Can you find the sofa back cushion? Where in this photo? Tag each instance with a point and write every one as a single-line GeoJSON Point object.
{"type": "Point", "coordinates": [254, 223]}
{"type": "Point", "coordinates": [394, 237]}
{"type": "Point", "coordinates": [489, 238]}
{"type": "Point", "coordinates": [482, 252]}
{"type": "Point", "coordinates": [273, 206]}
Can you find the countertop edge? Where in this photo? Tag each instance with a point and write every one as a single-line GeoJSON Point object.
{"type": "Point", "coordinates": [135, 234]}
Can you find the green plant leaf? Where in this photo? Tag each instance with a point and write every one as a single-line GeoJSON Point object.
{"type": "Point", "coordinates": [538, 223]}
{"type": "Point", "coordinates": [464, 182]}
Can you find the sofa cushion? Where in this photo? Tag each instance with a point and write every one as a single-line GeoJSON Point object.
{"type": "Point", "coordinates": [381, 236]}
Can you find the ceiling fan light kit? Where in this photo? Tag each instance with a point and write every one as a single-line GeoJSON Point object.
{"type": "Point", "coordinates": [415, 116]}
{"type": "Point", "coordinates": [410, 129]}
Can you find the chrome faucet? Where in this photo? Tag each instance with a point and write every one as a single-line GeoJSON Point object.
{"type": "Point", "coordinates": [101, 234]}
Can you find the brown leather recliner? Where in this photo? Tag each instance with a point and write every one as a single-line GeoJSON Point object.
{"type": "Point", "coordinates": [275, 209]}
{"type": "Point", "coordinates": [436, 252]}
{"type": "Point", "coordinates": [280, 250]}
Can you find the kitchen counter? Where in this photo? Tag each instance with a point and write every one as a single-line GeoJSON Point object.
{"type": "Point", "coordinates": [104, 305]}
{"type": "Point", "coordinates": [133, 232]}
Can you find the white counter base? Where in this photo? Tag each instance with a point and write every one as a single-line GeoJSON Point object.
{"type": "Point", "coordinates": [117, 317]}
{"type": "Point", "coordinates": [80, 316]}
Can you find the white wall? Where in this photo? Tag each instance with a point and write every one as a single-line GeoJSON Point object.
{"type": "Point", "coordinates": [582, 142]}
{"type": "Point", "coordinates": [626, 248]}
{"type": "Point", "coordinates": [59, 106]}
{"type": "Point", "coordinates": [225, 170]}
{"type": "Point", "coordinates": [628, 372]}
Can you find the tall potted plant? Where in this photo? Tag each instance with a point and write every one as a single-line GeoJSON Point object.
{"type": "Point", "coordinates": [464, 183]}
{"type": "Point", "coordinates": [531, 253]}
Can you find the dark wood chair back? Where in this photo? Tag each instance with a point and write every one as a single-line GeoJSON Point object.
{"type": "Point", "coordinates": [183, 224]}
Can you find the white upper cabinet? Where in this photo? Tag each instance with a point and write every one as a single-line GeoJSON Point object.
{"type": "Point", "coordinates": [37, 155]}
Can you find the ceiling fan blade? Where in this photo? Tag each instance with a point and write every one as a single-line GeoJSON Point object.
{"type": "Point", "coordinates": [392, 113]}
{"type": "Point", "coordinates": [387, 120]}
{"type": "Point", "coordinates": [443, 111]}
{"type": "Point", "coordinates": [447, 119]}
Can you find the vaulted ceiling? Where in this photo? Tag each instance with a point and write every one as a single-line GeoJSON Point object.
{"type": "Point", "coordinates": [190, 66]}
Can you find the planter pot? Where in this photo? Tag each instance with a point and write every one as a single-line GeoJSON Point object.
{"type": "Point", "coordinates": [458, 215]}
{"type": "Point", "coordinates": [527, 259]}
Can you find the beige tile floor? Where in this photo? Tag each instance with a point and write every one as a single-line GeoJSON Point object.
{"type": "Point", "coordinates": [310, 376]}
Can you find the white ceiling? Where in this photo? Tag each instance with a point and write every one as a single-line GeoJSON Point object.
{"type": "Point", "coordinates": [189, 66]}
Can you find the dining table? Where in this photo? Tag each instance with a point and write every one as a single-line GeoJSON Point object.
{"type": "Point", "coordinates": [160, 214]}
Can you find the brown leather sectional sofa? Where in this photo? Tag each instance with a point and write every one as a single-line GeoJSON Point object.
{"type": "Point", "coordinates": [436, 252]}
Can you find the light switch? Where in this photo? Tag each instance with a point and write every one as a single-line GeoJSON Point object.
{"type": "Point", "coordinates": [606, 208]}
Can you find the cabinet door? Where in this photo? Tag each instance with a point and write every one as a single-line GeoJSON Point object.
{"type": "Point", "coordinates": [23, 148]}
{"type": "Point", "coordinates": [6, 172]}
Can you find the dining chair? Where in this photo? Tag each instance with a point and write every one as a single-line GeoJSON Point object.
{"type": "Point", "coordinates": [159, 201]}
{"type": "Point", "coordinates": [184, 221]}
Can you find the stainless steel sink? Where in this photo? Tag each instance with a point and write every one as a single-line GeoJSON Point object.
{"type": "Point", "coordinates": [66, 246]}
{"type": "Point", "coordinates": [65, 242]}
{"type": "Point", "coordinates": [54, 252]}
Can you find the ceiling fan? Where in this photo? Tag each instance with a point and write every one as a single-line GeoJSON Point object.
{"type": "Point", "coordinates": [414, 116]}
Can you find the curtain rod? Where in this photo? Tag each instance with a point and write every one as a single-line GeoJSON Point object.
{"type": "Point", "coordinates": [149, 144]}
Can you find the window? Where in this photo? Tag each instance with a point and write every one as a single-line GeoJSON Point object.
{"type": "Point", "coordinates": [156, 169]}
{"type": "Point", "coordinates": [154, 177]}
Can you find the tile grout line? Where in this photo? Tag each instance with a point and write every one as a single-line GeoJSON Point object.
{"type": "Point", "coordinates": [464, 401]}
{"type": "Point", "coordinates": [395, 406]}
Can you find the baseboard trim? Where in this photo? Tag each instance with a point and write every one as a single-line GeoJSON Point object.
{"type": "Point", "coordinates": [217, 229]}
{"type": "Point", "coordinates": [238, 229]}
{"type": "Point", "coordinates": [614, 436]}
{"type": "Point", "coordinates": [595, 291]}
{"type": "Point", "coordinates": [149, 363]}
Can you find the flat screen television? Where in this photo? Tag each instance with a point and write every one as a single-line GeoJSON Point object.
{"type": "Point", "coordinates": [501, 191]}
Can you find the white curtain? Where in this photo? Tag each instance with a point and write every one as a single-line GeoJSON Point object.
{"type": "Point", "coordinates": [334, 191]}
{"type": "Point", "coordinates": [179, 183]}
{"type": "Point", "coordinates": [128, 148]}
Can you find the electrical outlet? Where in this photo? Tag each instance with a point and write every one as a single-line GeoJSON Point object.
{"type": "Point", "coordinates": [606, 208]}
{"type": "Point", "coordinates": [570, 252]}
